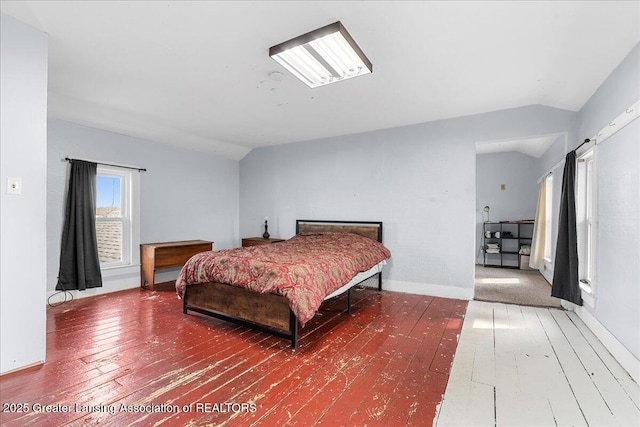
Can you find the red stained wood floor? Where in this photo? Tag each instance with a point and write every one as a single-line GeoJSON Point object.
{"type": "Point", "coordinates": [133, 358]}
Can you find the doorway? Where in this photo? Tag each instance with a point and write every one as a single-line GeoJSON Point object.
{"type": "Point", "coordinates": [507, 187]}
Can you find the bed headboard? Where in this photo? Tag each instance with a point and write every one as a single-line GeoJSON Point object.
{"type": "Point", "coordinates": [370, 229]}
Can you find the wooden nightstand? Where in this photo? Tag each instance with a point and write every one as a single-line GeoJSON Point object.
{"type": "Point", "coordinates": [255, 241]}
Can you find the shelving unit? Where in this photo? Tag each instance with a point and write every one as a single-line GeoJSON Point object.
{"type": "Point", "coordinates": [501, 242]}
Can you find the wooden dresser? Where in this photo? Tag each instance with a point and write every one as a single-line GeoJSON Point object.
{"type": "Point", "coordinates": [154, 256]}
{"type": "Point", "coordinates": [255, 241]}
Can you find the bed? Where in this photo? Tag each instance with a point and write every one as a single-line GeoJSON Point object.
{"type": "Point", "coordinates": [277, 288]}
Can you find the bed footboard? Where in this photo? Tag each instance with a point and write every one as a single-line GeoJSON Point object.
{"type": "Point", "coordinates": [266, 312]}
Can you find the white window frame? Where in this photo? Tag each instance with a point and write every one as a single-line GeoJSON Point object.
{"type": "Point", "coordinates": [548, 182]}
{"type": "Point", "coordinates": [130, 229]}
{"type": "Point", "coordinates": [586, 222]}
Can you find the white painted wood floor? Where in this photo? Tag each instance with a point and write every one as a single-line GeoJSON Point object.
{"type": "Point", "coordinates": [528, 366]}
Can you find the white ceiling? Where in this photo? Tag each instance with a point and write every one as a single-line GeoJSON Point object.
{"type": "Point", "coordinates": [196, 74]}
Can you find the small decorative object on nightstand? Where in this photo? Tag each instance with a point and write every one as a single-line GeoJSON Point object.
{"type": "Point", "coordinates": [266, 228]}
{"type": "Point", "coordinates": [255, 241]}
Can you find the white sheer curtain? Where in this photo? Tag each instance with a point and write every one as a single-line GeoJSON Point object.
{"type": "Point", "coordinates": [539, 228]}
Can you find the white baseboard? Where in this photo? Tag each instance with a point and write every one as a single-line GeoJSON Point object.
{"type": "Point", "coordinates": [109, 284]}
{"type": "Point", "coordinates": [442, 291]}
{"type": "Point", "coordinates": [627, 360]}
{"type": "Point", "coordinates": [120, 283]}
{"type": "Point", "coordinates": [22, 368]}
{"type": "Point", "coordinates": [114, 280]}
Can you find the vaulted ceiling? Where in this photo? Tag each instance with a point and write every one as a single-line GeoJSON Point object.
{"type": "Point", "coordinates": [196, 74]}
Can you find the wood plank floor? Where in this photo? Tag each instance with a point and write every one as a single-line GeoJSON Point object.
{"type": "Point", "coordinates": [111, 356]}
{"type": "Point", "coordinates": [526, 366]}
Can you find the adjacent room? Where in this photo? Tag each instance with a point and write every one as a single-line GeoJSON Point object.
{"type": "Point", "coordinates": [318, 213]}
{"type": "Point", "coordinates": [511, 218]}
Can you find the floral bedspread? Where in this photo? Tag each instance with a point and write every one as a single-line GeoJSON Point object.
{"type": "Point", "coordinates": [304, 269]}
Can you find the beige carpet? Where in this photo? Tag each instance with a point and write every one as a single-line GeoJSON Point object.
{"type": "Point", "coordinates": [511, 286]}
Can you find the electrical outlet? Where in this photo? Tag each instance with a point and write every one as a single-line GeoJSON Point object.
{"type": "Point", "coordinates": [503, 187]}
{"type": "Point", "coordinates": [14, 186]}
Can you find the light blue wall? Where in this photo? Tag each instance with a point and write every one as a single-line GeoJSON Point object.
{"type": "Point", "coordinates": [554, 154]}
{"type": "Point", "coordinates": [615, 95]}
{"type": "Point", "coordinates": [23, 154]}
{"type": "Point", "coordinates": [420, 180]}
{"type": "Point", "coordinates": [519, 173]}
{"type": "Point", "coordinates": [184, 195]}
{"type": "Point", "coordinates": [618, 187]}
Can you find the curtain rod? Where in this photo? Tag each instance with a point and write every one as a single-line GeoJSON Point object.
{"type": "Point", "coordinates": [629, 115]}
{"type": "Point", "coordinates": [583, 142]}
{"type": "Point", "coordinates": [108, 164]}
{"type": "Point", "coordinates": [557, 165]}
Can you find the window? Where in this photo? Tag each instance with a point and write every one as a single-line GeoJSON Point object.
{"type": "Point", "coordinates": [585, 210]}
{"type": "Point", "coordinates": [113, 217]}
{"type": "Point", "coordinates": [548, 182]}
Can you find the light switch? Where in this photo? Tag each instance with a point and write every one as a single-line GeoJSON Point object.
{"type": "Point", "coordinates": [503, 187]}
{"type": "Point", "coordinates": [14, 186]}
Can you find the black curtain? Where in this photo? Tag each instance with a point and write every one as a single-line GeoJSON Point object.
{"type": "Point", "coordinates": [565, 269]}
{"type": "Point", "coordinates": [79, 263]}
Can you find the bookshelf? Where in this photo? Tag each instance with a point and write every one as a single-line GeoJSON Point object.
{"type": "Point", "coordinates": [502, 241]}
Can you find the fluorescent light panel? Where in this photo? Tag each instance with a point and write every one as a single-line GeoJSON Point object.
{"type": "Point", "coordinates": [323, 56]}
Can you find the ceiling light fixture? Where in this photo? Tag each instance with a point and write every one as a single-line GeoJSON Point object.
{"type": "Point", "coordinates": [326, 55]}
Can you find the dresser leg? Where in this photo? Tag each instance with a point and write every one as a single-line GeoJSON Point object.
{"type": "Point", "coordinates": [147, 277]}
